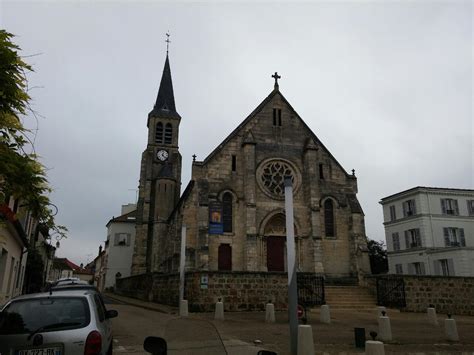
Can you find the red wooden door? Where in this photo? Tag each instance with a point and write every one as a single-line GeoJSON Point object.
{"type": "Point", "coordinates": [275, 253]}
{"type": "Point", "coordinates": [225, 257]}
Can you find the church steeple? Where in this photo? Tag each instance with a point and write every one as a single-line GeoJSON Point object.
{"type": "Point", "coordinates": [165, 106]}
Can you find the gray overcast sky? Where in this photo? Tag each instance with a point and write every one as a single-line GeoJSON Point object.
{"type": "Point", "coordinates": [386, 86]}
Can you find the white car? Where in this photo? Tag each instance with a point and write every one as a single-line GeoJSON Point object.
{"type": "Point", "coordinates": [59, 322]}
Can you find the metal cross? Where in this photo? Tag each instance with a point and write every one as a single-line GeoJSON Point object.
{"type": "Point", "coordinates": [276, 77]}
{"type": "Point", "coordinates": [167, 41]}
{"type": "Point", "coordinates": [194, 157]}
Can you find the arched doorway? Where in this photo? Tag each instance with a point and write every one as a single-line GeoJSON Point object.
{"type": "Point", "coordinates": [275, 236]}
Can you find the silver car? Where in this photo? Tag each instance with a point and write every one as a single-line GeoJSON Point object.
{"type": "Point", "coordinates": [59, 322]}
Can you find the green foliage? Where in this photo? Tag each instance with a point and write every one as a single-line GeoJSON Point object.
{"type": "Point", "coordinates": [21, 175]}
{"type": "Point", "coordinates": [378, 257]}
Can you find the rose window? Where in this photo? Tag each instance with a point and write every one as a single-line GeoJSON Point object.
{"type": "Point", "coordinates": [272, 176]}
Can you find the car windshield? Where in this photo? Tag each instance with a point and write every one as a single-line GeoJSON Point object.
{"type": "Point", "coordinates": [50, 314]}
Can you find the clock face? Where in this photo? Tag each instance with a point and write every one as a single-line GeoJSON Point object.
{"type": "Point", "coordinates": [162, 155]}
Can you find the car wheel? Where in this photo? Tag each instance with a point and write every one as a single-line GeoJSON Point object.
{"type": "Point", "coordinates": [110, 351]}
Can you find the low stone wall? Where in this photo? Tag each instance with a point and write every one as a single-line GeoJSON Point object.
{"type": "Point", "coordinates": [453, 295]}
{"type": "Point", "coordinates": [240, 291]}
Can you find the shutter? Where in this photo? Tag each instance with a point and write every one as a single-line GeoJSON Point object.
{"type": "Point", "coordinates": [470, 207]}
{"type": "Point", "coordinates": [443, 205]}
{"type": "Point", "coordinates": [411, 269]}
{"type": "Point", "coordinates": [422, 268]}
{"type": "Point", "coordinates": [414, 207]}
{"type": "Point", "coordinates": [128, 239]}
{"type": "Point", "coordinates": [116, 239]}
{"type": "Point", "coordinates": [446, 237]}
{"type": "Point", "coordinates": [456, 208]}
{"type": "Point", "coordinates": [404, 209]}
{"type": "Point", "coordinates": [417, 237]}
{"type": "Point", "coordinates": [462, 239]}
{"type": "Point", "coordinates": [451, 267]}
{"type": "Point", "coordinates": [407, 240]}
{"type": "Point", "coordinates": [437, 268]}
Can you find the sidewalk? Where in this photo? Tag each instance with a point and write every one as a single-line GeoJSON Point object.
{"type": "Point", "coordinates": [411, 332]}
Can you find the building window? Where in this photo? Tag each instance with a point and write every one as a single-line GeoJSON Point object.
{"type": "Point", "coordinates": [234, 163]}
{"type": "Point", "coordinates": [227, 212]}
{"type": "Point", "coordinates": [444, 267]}
{"type": "Point", "coordinates": [168, 133]}
{"type": "Point", "coordinates": [409, 208]}
{"type": "Point", "coordinates": [418, 268]}
{"type": "Point", "coordinates": [159, 133]}
{"type": "Point", "coordinates": [224, 258]}
{"type": "Point", "coordinates": [454, 237]}
{"type": "Point", "coordinates": [277, 117]}
{"type": "Point", "coordinates": [470, 207]}
{"type": "Point", "coordinates": [122, 239]}
{"type": "Point", "coordinates": [396, 241]}
{"type": "Point", "coordinates": [413, 238]}
{"type": "Point", "coordinates": [329, 218]}
{"type": "Point", "coordinates": [398, 269]}
{"type": "Point", "coordinates": [449, 206]}
{"type": "Point", "coordinates": [321, 171]}
{"type": "Point", "coordinates": [393, 214]}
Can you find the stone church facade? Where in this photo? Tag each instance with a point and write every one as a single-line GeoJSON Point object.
{"type": "Point", "coordinates": [233, 207]}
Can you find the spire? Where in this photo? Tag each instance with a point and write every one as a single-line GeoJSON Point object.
{"type": "Point", "coordinates": [164, 105]}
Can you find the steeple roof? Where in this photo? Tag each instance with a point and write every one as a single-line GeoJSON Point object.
{"type": "Point", "coordinates": [164, 105]}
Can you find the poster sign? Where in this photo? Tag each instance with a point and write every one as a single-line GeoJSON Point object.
{"type": "Point", "coordinates": [216, 225]}
{"type": "Point", "coordinates": [204, 282]}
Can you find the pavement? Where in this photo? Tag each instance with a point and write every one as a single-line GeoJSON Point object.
{"type": "Point", "coordinates": [247, 333]}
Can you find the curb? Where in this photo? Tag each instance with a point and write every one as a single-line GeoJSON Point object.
{"type": "Point", "coordinates": [130, 302]}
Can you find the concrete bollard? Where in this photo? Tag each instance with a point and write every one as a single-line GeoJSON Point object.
{"type": "Point", "coordinates": [385, 329]}
{"type": "Point", "coordinates": [325, 315]}
{"type": "Point", "coordinates": [219, 314]}
{"type": "Point", "coordinates": [305, 340]}
{"type": "Point", "coordinates": [379, 311]}
{"type": "Point", "coordinates": [432, 318]}
{"type": "Point", "coordinates": [270, 313]}
{"type": "Point", "coordinates": [373, 347]}
{"type": "Point", "coordinates": [450, 329]}
{"type": "Point", "coordinates": [183, 308]}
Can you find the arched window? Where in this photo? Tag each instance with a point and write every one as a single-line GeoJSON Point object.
{"type": "Point", "coordinates": [159, 133]}
{"type": "Point", "coordinates": [227, 212]}
{"type": "Point", "coordinates": [329, 218]}
{"type": "Point", "coordinates": [168, 133]}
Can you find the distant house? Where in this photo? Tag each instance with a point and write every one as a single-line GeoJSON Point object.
{"type": "Point", "coordinates": [119, 245]}
{"type": "Point", "coordinates": [430, 231]}
{"type": "Point", "coordinates": [15, 225]}
{"type": "Point", "coordinates": [62, 268]}
{"type": "Point", "coordinates": [98, 268]}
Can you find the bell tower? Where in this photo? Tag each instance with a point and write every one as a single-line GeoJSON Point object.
{"type": "Point", "coordinates": [160, 177]}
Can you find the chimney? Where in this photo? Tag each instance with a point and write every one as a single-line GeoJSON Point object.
{"type": "Point", "coordinates": [100, 249]}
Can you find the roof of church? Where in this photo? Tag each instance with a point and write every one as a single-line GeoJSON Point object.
{"type": "Point", "coordinates": [253, 114]}
{"type": "Point", "coordinates": [164, 105]}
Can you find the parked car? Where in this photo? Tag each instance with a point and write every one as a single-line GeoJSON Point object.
{"type": "Point", "coordinates": [58, 322]}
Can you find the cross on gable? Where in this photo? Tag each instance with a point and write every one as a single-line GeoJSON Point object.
{"type": "Point", "coordinates": [276, 77]}
{"type": "Point", "coordinates": [167, 40]}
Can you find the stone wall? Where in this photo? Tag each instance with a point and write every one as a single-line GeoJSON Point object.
{"type": "Point", "coordinates": [453, 295]}
{"type": "Point", "coordinates": [240, 291]}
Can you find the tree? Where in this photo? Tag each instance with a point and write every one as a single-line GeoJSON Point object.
{"type": "Point", "coordinates": [21, 174]}
{"type": "Point", "coordinates": [378, 257]}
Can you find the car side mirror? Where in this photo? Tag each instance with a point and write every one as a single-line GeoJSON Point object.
{"type": "Point", "coordinates": [112, 313]}
{"type": "Point", "coordinates": [266, 352]}
{"type": "Point", "coordinates": [155, 345]}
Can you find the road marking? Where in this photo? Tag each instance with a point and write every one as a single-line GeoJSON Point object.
{"type": "Point", "coordinates": [121, 348]}
{"type": "Point", "coordinates": [115, 341]}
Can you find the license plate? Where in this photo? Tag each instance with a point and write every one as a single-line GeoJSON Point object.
{"type": "Point", "coordinates": [43, 351]}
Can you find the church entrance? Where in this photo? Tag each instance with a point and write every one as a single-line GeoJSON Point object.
{"type": "Point", "coordinates": [224, 259]}
{"type": "Point", "coordinates": [276, 253]}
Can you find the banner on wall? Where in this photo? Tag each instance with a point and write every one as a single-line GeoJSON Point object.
{"type": "Point", "coordinates": [216, 225]}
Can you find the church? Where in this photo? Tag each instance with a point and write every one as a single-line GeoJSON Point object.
{"type": "Point", "coordinates": [233, 206]}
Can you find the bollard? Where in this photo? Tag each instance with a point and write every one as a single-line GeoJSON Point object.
{"type": "Point", "coordinates": [325, 315]}
{"type": "Point", "coordinates": [270, 313]}
{"type": "Point", "coordinates": [385, 330]}
{"type": "Point", "coordinates": [305, 340]}
{"type": "Point", "coordinates": [373, 347]}
{"type": "Point", "coordinates": [379, 311]}
{"type": "Point", "coordinates": [183, 308]}
{"type": "Point", "coordinates": [432, 318]}
{"type": "Point", "coordinates": [359, 337]}
{"type": "Point", "coordinates": [219, 314]}
{"type": "Point", "coordinates": [450, 329]}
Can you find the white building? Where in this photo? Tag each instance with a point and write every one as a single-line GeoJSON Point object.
{"type": "Point", "coordinates": [15, 226]}
{"type": "Point", "coordinates": [119, 245]}
{"type": "Point", "coordinates": [430, 231]}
